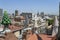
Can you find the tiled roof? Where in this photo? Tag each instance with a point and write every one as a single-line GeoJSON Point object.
{"type": "Point", "coordinates": [9, 36]}
{"type": "Point", "coordinates": [42, 36]}
{"type": "Point", "coordinates": [21, 17]}
{"type": "Point", "coordinates": [45, 37]}
{"type": "Point", "coordinates": [33, 37]}
{"type": "Point", "coordinates": [14, 28]}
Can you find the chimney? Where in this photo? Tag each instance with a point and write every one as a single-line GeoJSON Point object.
{"type": "Point", "coordinates": [55, 26]}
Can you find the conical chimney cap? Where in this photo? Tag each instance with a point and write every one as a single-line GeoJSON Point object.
{"type": "Point", "coordinates": [56, 21]}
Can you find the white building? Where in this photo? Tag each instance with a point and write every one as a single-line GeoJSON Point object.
{"type": "Point", "coordinates": [39, 23]}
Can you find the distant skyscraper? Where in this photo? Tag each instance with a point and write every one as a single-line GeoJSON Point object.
{"type": "Point", "coordinates": [1, 12]}
{"type": "Point", "coordinates": [38, 14]}
{"type": "Point", "coordinates": [12, 14]}
{"type": "Point", "coordinates": [26, 21]}
{"type": "Point", "coordinates": [16, 12]}
{"type": "Point", "coordinates": [29, 15]}
{"type": "Point", "coordinates": [42, 14]}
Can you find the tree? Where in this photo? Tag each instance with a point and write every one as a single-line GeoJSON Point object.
{"type": "Point", "coordinates": [50, 21]}
{"type": "Point", "coordinates": [5, 20]}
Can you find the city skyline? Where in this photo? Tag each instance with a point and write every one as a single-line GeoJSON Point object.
{"type": "Point", "coordinates": [34, 6]}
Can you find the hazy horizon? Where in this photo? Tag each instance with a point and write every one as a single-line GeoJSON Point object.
{"type": "Point", "coordinates": [34, 6]}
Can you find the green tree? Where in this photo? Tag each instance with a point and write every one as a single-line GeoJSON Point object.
{"type": "Point", "coordinates": [50, 21]}
{"type": "Point", "coordinates": [5, 20]}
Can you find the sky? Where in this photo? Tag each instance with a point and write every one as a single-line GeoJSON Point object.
{"type": "Point", "coordinates": [34, 6]}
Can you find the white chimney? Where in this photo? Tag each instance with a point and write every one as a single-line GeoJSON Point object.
{"type": "Point", "coordinates": [55, 27]}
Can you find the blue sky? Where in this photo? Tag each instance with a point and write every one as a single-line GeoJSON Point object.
{"type": "Point", "coordinates": [34, 6]}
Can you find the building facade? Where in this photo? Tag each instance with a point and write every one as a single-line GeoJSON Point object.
{"type": "Point", "coordinates": [16, 12]}
{"type": "Point", "coordinates": [27, 16]}
{"type": "Point", "coordinates": [42, 14]}
{"type": "Point", "coordinates": [1, 14]}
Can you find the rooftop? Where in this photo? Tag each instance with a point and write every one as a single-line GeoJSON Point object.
{"type": "Point", "coordinates": [41, 37]}
{"type": "Point", "coordinates": [8, 36]}
{"type": "Point", "coordinates": [15, 28]}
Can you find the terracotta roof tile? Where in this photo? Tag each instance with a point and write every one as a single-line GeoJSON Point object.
{"type": "Point", "coordinates": [33, 37]}
{"type": "Point", "coordinates": [10, 36]}
{"type": "Point", "coordinates": [45, 37]}
{"type": "Point", "coordinates": [14, 28]}
{"type": "Point", "coordinates": [21, 17]}
{"type": "Point", "coordinates": [42, 36]}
